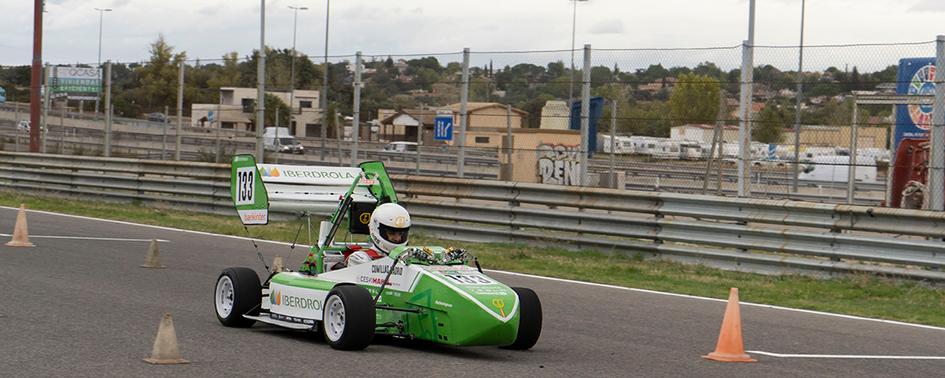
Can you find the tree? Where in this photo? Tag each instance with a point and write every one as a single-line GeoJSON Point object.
{"type": "Point", "coordinates": [770, 124]}
{"type": "Point", "coordinates": [694, 100]}
{"type": "Point", "coordinates": [159, 77]}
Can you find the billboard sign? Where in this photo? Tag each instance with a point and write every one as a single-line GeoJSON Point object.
{"type": "Point", "coordinates": [75, 83]}
{"type": "Point", "coordinates": [915, 77]}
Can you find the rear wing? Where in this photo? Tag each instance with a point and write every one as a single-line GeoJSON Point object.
{"type": "Point", "coordinates": [258, 188]}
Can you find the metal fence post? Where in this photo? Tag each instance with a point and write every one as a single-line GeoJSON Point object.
{"type": "Point", "coordinates": [851, 170]}
{"type": "Point", "coordinates": [613, 144]}
{"type": "Point", "coordinates": [797, 108]}
{"type": "Point", "coordinates": [45, 124]}
{"type": "Point", "coordinates": [464, 99]}
{"type": "Point", "coordinates": [356, 107]}
{"type": "Point", "coordinates": [180, 108]}
{"type": "Point", "coordinates": [108, 109]}
{"type": "Point", "coordinates": [744, 127]}
{"type": "Point", "coordinates": [261, 85]}
{"type": "Point", "coordinates": [936, 174]}
{"type": "Point", "coordinates": [585, 112]}
{"type": "Point", "coordinates": [419, 135]}
{"type": "Point", "coordinates": [164, 136]}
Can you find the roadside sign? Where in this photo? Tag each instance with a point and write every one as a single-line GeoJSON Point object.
{"type": "Point", "coordinates": [75, 83]}
{"type": "Point", "coordinates": [211, 116]}
{"type": "Point", "coordinates": [443, 126]}
{"type": "Point", "coordinates": [3, 95]}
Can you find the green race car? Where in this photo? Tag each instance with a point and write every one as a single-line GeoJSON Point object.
{"type": "Point", "coordinates": [427, 293]}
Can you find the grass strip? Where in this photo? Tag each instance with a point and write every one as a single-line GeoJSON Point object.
{"type": "Point", "coordinates": [856, 294]}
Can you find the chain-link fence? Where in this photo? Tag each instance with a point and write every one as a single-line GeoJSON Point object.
{"type": "Point", "coordinates": [642, 119]}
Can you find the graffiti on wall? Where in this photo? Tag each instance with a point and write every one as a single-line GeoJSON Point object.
{"type": "Point", "coordinates": [559, 164]}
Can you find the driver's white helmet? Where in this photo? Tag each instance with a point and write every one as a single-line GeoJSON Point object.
{"type": "Point", "coordinates": [389, 226]}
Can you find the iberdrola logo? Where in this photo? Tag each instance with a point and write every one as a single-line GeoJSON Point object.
{"type": "Point", "coordinates": [275, 298]}
{"type": "Point", "coordinates": [273, 172]}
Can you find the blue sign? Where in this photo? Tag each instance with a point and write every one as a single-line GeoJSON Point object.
{"type": "Point", "coordinates": [443, 128]}
{"type": "Point", "coordinates": [3, 95]}
{"type": "Point", "coordinates": [915, 77]}
{"type": "Point", "coordinates": [595, 108]}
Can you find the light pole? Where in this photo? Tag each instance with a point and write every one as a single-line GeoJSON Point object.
{"type": "Point", "coordinates": [101, 16]}
{"type": "Point", "coordinates": [324, 95]}
{"type": "Point", "coordinates": [573, 32]}
{"type": "Point", "coordinates": [295, 22]}
{"type": "Point", "coordinates": [797, 109]}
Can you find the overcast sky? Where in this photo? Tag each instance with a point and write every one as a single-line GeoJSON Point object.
{"type": "Point", "coordinates": [209, 28]}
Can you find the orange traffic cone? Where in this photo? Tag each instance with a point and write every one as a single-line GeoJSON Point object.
{"type": "Point", "coordinates": [165, 351]}
{"type": "Point", "coordinates": [21, 236]}
{"type": "Point", "coordinates": [153, 258]}
{"type": "Point", "coordinates": [730, 347]}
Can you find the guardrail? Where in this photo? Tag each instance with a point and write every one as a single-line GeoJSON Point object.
{"type": "Point", "coordinates": [770, 236]}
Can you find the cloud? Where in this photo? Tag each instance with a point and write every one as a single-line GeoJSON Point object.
{"type": "Point", "coordinates": [611, 26]}
{"type": "Point", "coordinates": [928, 6]}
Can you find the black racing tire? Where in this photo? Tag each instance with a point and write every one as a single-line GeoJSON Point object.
{"type": "Point", "coordinates": [237, 292]}
{"type": "Point", "coordinates": [348, 318]}
{"type": "Point", "coordinates": [529, 321]}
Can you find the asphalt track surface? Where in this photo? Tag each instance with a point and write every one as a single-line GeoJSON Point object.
{"type": "Point", "coordinates": [84, 307]}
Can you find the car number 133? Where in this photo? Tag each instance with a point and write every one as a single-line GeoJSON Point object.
{"type": "Point", "coordinates": [245, 178]}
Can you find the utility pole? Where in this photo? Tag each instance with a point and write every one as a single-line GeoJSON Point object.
{"type": "Point", "coordinates": [35, 74]}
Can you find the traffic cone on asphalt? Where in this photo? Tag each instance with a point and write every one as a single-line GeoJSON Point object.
{"type": "Point", "coordinates": [277, 264]}
{"type": "Point", "coordinates": [21, 237]}
{"type": "Point", "coordinates": [165, 351]}
{"type": "Point", "coordinates": [153, 259]}
{"type": "Point", "coordinates": [730, 347]}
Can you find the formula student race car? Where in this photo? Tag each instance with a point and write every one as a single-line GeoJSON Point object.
{"type": "Point", "coordinates": [426, 293]}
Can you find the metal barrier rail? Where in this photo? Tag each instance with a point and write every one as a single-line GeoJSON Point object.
{"type": "Point", "coordinates": [771, 236]}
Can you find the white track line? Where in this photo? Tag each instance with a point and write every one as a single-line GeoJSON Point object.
{"type": "Point", "coordinates": [90, 238]}
{"type": "Point", "coordinates": [846, 356]}
{"type": "Point", "coordinates": [893, 322]}
{"type": "Point", "coordinates": [723, 300]}
{"type": "Point", "coordinates": [153, 226]}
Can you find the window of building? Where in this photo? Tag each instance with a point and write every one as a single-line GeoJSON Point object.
{"type": "Point", "coordinates": [482, 140]}
{"type": "Point", "coordinates": [305, 104]}
{"type": "Point", "coordinates": [247, 105]}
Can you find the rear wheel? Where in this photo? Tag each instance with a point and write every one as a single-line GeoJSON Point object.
{"type": "Point", "coordinates": [529, 319]}
{"type": "Point", "coordinates": [349, 318]}
{"type": "Point", "coordinates": [236, 293]}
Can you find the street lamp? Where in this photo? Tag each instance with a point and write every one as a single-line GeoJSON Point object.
{"type": "Point", "coordinates": [101, 16]}
{"type": "Point", "coordinates": [573, 32]}
{"type": "Point", "coordinates": [295, 21]}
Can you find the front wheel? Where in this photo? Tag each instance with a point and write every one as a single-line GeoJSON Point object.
{"type": "Point", "coordinates": [349, 318]}
{"type": "Point", "coordinates": [236, 293]}
{"type": "Point", "coordinates": [529, 319]}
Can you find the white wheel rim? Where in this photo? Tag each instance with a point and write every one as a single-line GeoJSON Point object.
{"type": "Point", "coordinates": [334, 318]}
{"type": "Point", "coordinates": [224, 297]}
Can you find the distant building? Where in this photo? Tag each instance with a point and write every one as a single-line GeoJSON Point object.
{"type": "Point", "coordinates": [235, 111]}
{"type": "Point", "coordinates": [554, 115]}
{"type": "Point", "coordinates": [702, 133]}
{"type": "Point", "coordinates": [483, 117]}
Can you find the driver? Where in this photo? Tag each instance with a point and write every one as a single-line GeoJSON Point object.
{"type": "Point", "coordinates": [389, 226]}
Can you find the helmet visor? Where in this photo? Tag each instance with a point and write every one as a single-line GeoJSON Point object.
{"type": "Point", "coordinates": [393, 234]}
